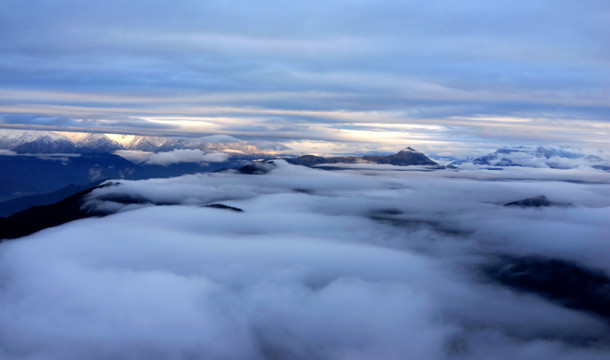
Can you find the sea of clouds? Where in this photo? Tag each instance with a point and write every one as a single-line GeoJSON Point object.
{"type": "Point", "coordinates": [362, 263]}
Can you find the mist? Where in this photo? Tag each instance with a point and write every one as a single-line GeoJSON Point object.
{"type": "Point", "coordinates": [353, 264]}
{"type": "Point", "coordinates": [185, 155]}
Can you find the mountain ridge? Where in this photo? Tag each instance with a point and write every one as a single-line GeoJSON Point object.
{"type": "Point", "coordinates": [533, 156]}
{"type": "Point", "coordinates": [52, 142]}
{"type": "Point", "coordinates": [405, 157]}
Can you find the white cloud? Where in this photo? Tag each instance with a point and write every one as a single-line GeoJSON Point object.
{"type": "Point", "coordinates": [215, 157]}
{"type": "Point", "coordinates": [135, 156]}
{"type": "Point", "coordinates": [306, 271]}
{"type": "Point", "coordinates": [185, 155]}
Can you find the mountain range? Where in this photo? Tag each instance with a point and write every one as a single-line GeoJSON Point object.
{"type": "Point", "coordinates": [42, 162]}
{"type": "Point", "coordinates": [405, 157]}
{"type": "Point", "coordinates": [537, 157]}
{"type": "Point", "coordinates": [35, 163]}
{"type": "Point", "coordinates": [53, 142]}
{"type": "Point", "coordinates": [25, 175]}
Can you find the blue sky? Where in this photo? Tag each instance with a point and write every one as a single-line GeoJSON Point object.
{"type": "Point", "coordinates": [336, 76]}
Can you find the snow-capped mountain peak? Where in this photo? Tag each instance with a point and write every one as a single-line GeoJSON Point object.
{"type": "Point", "coordinates": [92, 141]}
{"type": "Point", "coordinates": [538, 156]}
{"type": "Point", "coordinates": [43, 142]}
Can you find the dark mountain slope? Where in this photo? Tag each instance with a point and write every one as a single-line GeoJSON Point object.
{"type": "Point", "coordinates": [565, 283]}
{"type": "Point", "coordinates": [10, 189]}
{"type": "Point", "coordinates": [41, 217]}
{"type": "Point", "coordinates": [47, 174]}
{"type": "Point", "coordinates": [14, 206]}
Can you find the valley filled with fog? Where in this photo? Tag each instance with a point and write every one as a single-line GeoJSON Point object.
{"type": "Point", "coordinates": [362, 261]}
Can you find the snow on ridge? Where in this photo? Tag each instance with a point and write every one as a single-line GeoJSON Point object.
{"type": "Point", "coordinates": [537, 157]}
{"type": "Point", "coordinates": [107, 142]}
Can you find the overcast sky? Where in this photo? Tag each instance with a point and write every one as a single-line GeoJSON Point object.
{"type": "Point", "coordinates": [370, 75]}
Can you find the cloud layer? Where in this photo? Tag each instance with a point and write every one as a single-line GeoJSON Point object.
{"type": "Point", "coordinates": [185, 155]}
{"type": "Point", "coordinates": [354, 264]}
{"type": "Point", "coordinates": [448, 74]}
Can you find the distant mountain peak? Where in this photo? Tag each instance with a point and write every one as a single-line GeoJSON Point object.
{"type": "Point", "coordinates": [44, 142]}
{"type": "Point", "coordinates": [405, 157]}
{"type": "Point", "coordinates": [536, 156]}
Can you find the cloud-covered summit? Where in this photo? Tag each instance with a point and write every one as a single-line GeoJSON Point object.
{"type": "Point", "coordinates": [405, 157]}
{"type": "Point", "coordinates": [538, 157]}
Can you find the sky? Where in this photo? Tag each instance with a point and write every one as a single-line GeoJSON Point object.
{"type": "Point", "coordinates": [333, 76]}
